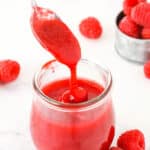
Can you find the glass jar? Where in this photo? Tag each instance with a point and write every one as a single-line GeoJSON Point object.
{"type": "Point", "coordinates": [87, 125]}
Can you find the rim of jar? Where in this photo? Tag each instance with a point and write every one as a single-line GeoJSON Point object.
{"type": "Point", "coordinates": [98, 99]}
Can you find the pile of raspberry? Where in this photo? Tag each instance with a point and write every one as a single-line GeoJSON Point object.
{"type": "Point", "coordinates": [136, 20]}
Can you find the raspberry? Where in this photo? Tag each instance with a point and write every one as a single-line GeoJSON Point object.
{"type": "Point", "coordinates": [80, 94]}
{"type": "Point", "coordinates": [9, 70]}
{"type": "Point", "coordinates": [77, 95]}
{"type": "Point", "coordinates": [129, 4]}
{"type": "Point", "coordinates": [131, 140]}
{"type": "Point", "coordinates": [130, 28]}
{"type": "Point", "coordinates": [145, 33]}
{"type": "Point", "coordinates": [66, 97]}
{"type": "Point", "coordinates": [141, 14]}
{"type": "Point", "coordinates": [91, 28]}
{"type": "Point", "coordinates": [147, 69]}
{"type": "Point", "coordinates": [115, 148]}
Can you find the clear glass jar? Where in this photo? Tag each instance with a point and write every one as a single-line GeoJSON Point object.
{"type": "Point", "coordinates": [87, 125]}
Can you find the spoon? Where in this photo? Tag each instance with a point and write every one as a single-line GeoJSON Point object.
{"type": "Point", "coordinates": [33, 3]}
{"type": "Point", "coordinates": [43, 12]}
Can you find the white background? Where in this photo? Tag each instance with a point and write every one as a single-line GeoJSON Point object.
{"type": "Point", "coordinates": [131, 90]}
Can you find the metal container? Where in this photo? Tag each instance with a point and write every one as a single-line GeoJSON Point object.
{"type": "Point", "coordinates": [132, 49]}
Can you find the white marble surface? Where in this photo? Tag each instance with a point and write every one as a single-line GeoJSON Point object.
{"type": "Point", "coordinates": [131, 93]}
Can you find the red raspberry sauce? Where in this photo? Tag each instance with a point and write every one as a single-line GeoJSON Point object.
{"type": "Point", "coordinates": [57, 38]}
{"type": "Point", "coordinates": [53, 129]}
{"type": "Point", "coordinates": [84, 130]}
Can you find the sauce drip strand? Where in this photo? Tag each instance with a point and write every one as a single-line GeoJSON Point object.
{"type": "Point", "coordinates": [57, 38]}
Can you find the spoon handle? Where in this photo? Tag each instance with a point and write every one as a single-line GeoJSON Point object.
{"type": "Point", "coordinates": [33, 3]}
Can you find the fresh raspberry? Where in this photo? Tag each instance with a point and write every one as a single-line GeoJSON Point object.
{"type": "Point", "coordinates": [141, 14]}
{"type": "Point", "coordinates": [91, 28]}
{"type": "Point", "coordinates": [9, 70]}
{"type": "Point", "coordinates": [129, 4]}
{"type": "Point", "coordinates": [145, 33]}
{"type": "Point", "coordinates": [131, 140]}
{"type": "Point", "coordinates": [147, 69]}
{"type": "Point", "coordinates": [115, 148]}
{"type": "Point", "coordinates": [130, 28]}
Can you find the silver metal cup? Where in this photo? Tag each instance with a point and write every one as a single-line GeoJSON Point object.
{"type": "Point", "coordinates": [132, 49]}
